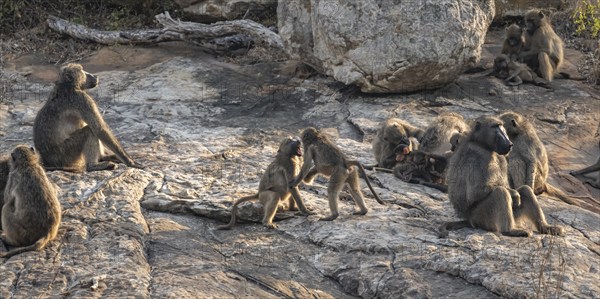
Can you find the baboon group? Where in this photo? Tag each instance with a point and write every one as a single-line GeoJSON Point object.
{"type": "Point", "coordinates": [492, 167]}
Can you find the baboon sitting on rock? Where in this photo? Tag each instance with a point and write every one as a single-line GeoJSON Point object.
{"type": "Point", "coordinates": [479, 190]}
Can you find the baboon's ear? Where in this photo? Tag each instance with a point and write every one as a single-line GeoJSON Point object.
{"type": "Point", "coordinates": [68, 75]}
{"type": "Point", "coordinates": [514, 122]}
{"type": "Point", "coordinates": [477, 126]}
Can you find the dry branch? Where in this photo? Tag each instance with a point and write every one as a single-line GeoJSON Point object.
{"type": "Point", "coordinates": [217, 36]}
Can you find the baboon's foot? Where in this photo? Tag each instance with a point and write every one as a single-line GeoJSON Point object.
{"type": "Point", "coordinates": [552, 230]}
{"type": "Point", "coordinates": [270, 225]}
{"type": "Point", "coordinates": [517, 233]}
{"type": "Point", "coordinates": [106, 165]}
{"type": "Point", "coordinates": [329, 218]}
{"type": "Point", "coordinates": [360, 212]}
{"type": "Point", "coordinates": [110, 158]}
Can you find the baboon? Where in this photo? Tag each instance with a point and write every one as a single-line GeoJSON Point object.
{"type": "Point", "coordinates": [423, 168]}
{"type": "Point", "coordinates": [436, 139]}
{"type": "Point", "coordinates": [273, 187]}
{"type": "Point", "coordinates": [592, 168]}
{"type": "Point", "coordinates": [69, 132]}
{"type": "Point", "coordinates": [329, 160]}
{"type": "Point", "coordinates": [392, 133]}
{"type": "Point", "coordinates": [31, 213]}
{"type": "Point", "coordinates": [457, 139]}
{"type": "Point", "coordinates": [528, 160]}
{"type": "Point", "coordinates": [543, 49]}
{"type": "Point", "coordinates": [515, 73]}
{"type": "Point", "coordinates": [513, 43]}
{"type": "Point", "coordinates": [4, 170]}
{"type": "Point", "coordinates": [479, 190]}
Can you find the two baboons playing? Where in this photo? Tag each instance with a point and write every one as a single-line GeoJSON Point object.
{"type": "Point", "coordinates": [69, 134]}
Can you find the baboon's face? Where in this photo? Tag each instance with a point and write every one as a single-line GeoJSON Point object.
{"type": "Point", "coordinates": [395, 135]}
{"type": "Point", "coordinates": [73, 74]}
{"type": "Point", "coordinates": [292, 146]}
{"type": "Point", "coordinates": [501, 62]}
{"type": "Point", "coordinates": [490, 133]}
{"type": "Point", "coordinates": [403, 149]}
{"type": "Point", "coordinates": [533, 20]}
{"type": "Point", "coordinates": [310, 136]}
{"type": "Point", "coordinates": [513, 33]}
{"type": "Point", "coordinates": [512, 122]}
{"type": "Point", "coordinates": [456, 140]}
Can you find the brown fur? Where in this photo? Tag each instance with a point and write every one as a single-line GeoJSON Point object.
{"type": "Point", "coordinates": [31, 214]}
{"type": "Point", "coordinates": [528, 159]}
{"type": "Point", "coordinates": [69, 132]}
{"type": "Point", "coordinates": [4, 171]}
{"type": "Point", "coordinates": [329, 160]}
{"type": "Point", "coordinates": [392, 133]}
{"type": "Point", "coordinates": [273, 187]}
{"type": "Point", "coordinates": [543, 50]}
{"type": "Point", "coordinates": [436, 139]}
{"type": "Point", "coordinates": [592, 168]}
{"type": "Point", "coordinates": [479, 190]}
{"type": "Point", "coordinates": [513, 43]}
{"type": "Point", "coordinates": [423, 168]}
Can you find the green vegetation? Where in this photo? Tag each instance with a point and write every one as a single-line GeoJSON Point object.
{"type": "Point", "coordinates": [586, 16]}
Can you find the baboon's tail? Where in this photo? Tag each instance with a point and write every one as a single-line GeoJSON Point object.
{"type": "Point", "coordinates": [234, 210]}
{"type": "Point", "coordinates": [555, 192]}
{"type": "Point", "coordinates": [453, 225]}
{"type": "Point", "coordinates": [364, 175]}
{"type": "Point", "coordinates": [38, 245]}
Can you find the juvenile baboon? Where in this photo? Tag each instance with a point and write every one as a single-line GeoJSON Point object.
{"type": "Point", "coordinates": [392, 133]}
{"type": "Point", "coordinates": [513, 43]}
{"type": "Point", "coordinates": [436, 139]}
{"type": "Point", "coordinates": [478, 185]}
{"type": "Point", "coordinates": [423, 168]}
{"type": "Point", "coordinates": [592, 168]}
{"type": "Point", "coordinates": [31, 213]}
{"type": "Point", "coordinates": [273, 187]}
{"type": "Point", "coordinates": [329, 160]}
{"type": "Point", "coordinates": [543, 49]}
{"type": "Point", "coordinates": [69, 132]}
{"type": "Point", "coordinates": [457, 139]}
{"type": "Point", "coordinates": [528, 159]}
{"type": "Point", "coordinates": [4, 170]}
{"type": "Point", "coordinates": [515, 73]}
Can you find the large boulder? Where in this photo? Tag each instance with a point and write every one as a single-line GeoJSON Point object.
{"type": "Point", "coordinates": [384, 45]}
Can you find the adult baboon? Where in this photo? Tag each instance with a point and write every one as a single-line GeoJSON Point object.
{"type": "Point", "coordinates": [513, 43]}
{"type": "Point", "coordinates": [329, 160]}
{"type": "Point", "coordinates": [436, 139]}
{"type": "Point", "coordinates": [69, 132]}
{"type": "Point", "coordinates": [543, 49]}
{"type": "Point", "coordinates": [528, 159]}
{"type": "Point", "coordinates": [423, 168]}
{"type": "Point", "coordinates": [273, 187]}
{"type": "Point", "coordinates": [31, 213]}
{"type": "Point", "coordinates": [515, 73]}
{"type": "Point", "coordinates": [592, 168]}
{"type": "Point", "coordinates": [4, 170]}
{"type": "Point", "coordinates": [478, 185]}
{"type": "Point", "coordinates": [392, 133]}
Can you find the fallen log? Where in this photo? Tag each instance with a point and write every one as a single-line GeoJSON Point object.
{"type": "Point", "coordinates": [219, 36]}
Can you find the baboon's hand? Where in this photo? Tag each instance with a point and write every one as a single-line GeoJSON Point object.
{"type": "Point", "coordinates": [135, 165]}
{"type": "Point", "coordinates": [516, 198]}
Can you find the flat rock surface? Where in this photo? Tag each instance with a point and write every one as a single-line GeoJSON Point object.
{"type": "Point", "coordinates": [206, 129]}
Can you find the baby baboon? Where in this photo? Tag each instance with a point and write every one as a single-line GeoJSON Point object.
{"type": "Point", "coordinates": [516, 73]}
{"type": "Point", "coordinates": [273, 187]}
{"type": "Point", "coordinates": [31, 213]}
{"type": "Point", "coordinates": [478, 185]}
{"type": "Point", "coordinates": [436, 139]}
{"type": "Point", "coordinates": [330, 161]}
{"type": "Point", "coordinates": [423, 168]}
{"type": "Point", "coordinates": [513, 42]}
{"type": "Point", "coordinates": [543, 49]}
{"type": "Point", "coordinates": [528, 160]}
{"type": "Point", "coordinates": [392, 133]}
{"type": "Point", "coordinates": [69, 132]}
{"type": "Point", "coordinates": [592, 168]}
{"type": "Point", "coordinates": [4, 168]}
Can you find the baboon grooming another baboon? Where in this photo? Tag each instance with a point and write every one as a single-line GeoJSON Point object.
{"type": "Point", "coordinates": [528, 159]}
{"type": "Point", "coordinates": [513, 43]}
{"type": "Point", "coordinates": [69, 132]}
{"type": "Point", "coordinates": [436, 139]}
{"type": "Point", "coordinates": [592, 168]}
{"type": "Point", "coordinates": [4, 170]}
{"type": "Point", "coordinates": [274, 184]}
{"type": "Point", "coordinates": [31, 213]}
{"type": "Point", "coordinates": [516, 73]}
{"type": "Point", "coordinates": [478, 185]}
{"type": "Point", "coordinates": [390, 135]}
{"type": "Point", "coordinates": [330, 161]}
{"type": "Point", "coordinates": [423, 168]}
{"type": "Point", "coordinates": [543, 49]}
